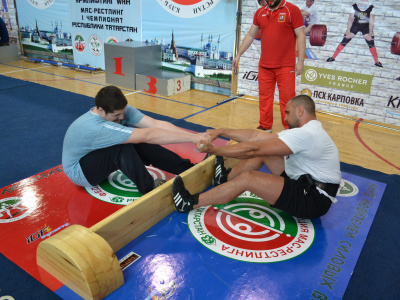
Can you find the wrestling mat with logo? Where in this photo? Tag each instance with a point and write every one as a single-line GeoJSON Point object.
{"type": "Point", "coordinates": [240, 250]}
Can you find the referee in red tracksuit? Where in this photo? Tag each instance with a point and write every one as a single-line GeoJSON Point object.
{"type": "Point", "coordinates": [281, 25]}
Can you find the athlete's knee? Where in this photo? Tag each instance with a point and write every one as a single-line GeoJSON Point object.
{"type": "Point", "coordinates": [126, 155]}
{"type": "Point", "coordinates": [246, 179]}
{"type": "Point", "coordinates": [345, 41]}
{"type": "Point", "coordinates": [126, 149]}
{"type": "Point", "coordinates": [370, 43]}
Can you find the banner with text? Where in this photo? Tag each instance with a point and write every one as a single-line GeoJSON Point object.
{"type": "Point", "coordinates": [105, 22]}
{"type": "Point", "coordinates": [197, 37]}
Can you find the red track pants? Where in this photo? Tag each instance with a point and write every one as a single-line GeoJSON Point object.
{"type": "Point", "coordinates": [284, 77]}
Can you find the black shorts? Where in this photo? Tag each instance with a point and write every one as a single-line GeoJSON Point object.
{"type": "Point", "coordinates": [357, 27]}
{"type": "Point", "coordinates": [300, 201]}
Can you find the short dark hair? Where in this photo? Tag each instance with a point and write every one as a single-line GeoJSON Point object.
{"type": "Point", "coordinates": [110, 98]}
{"type": "Point", "coordinates": [305, 101]}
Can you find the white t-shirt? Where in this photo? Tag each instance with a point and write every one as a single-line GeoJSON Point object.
{"type": "Point", "coordinates": [313, 11]}
{"type": "Point", "coordinates": [314, 153]}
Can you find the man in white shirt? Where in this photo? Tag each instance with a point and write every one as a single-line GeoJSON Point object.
{"type": "Point", "coordinates": [303, 161]}
{"type": "Point", "coordinates": [310, 15]}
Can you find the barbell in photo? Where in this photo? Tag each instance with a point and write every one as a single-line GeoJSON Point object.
{"type": "Point", "coordinates": [319, 34]}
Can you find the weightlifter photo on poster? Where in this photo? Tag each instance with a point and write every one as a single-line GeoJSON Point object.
{"type": "Point", "coordinates": [361, 19]}
{"type": "Point", "coordinates": [310, 13]}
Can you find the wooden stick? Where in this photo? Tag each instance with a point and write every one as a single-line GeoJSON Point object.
{"type": "Point", "coordinates": [84, 259]}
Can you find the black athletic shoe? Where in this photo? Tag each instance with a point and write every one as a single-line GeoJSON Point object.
{"type": "Point", "coordinates": [330, 59]}
{"type": "Point", "coordinates": [183, 200]}
{"type": "Point", "coordinates": [378, 64]}
{"type": "Point", "coordinates": [158, 182]}
{"type": "Point", "coordinates": [220, 173]}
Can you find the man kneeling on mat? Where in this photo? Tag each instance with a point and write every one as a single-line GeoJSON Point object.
{"type": "Point", "coordinates": [303, 161]}
{"type": "Point", "coordinates": [103, 140]}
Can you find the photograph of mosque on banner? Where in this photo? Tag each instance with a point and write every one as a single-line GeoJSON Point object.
{"type": "Point", "coordinates": [196, 38]}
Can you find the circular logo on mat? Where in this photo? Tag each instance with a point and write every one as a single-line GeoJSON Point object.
{"type": "Point", "coordinates": [188, 8]}
{"type": "Point", "coordinates": [13, 209]}
{"type": "Point", "coordinates": [119, 189]}
{"type": "Point", "coordinates": [79, 43]}
{"type": "Point", "coordinates": [41, 4]}
{"type": "Point", "coordinates": [311, 75]}
{"type": "Point", "coordinates": [347, 189]}
{"type": "Point", "coordinates": [95, 45]}
{"type": "Point", "coordinates": [248, 229]}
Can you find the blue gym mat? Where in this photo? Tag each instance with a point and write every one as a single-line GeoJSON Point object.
{"type": "Point", "coordinates": [247, 250]}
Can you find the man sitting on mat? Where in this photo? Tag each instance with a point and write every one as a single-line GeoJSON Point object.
{"type": "Point", "coordinates": [303, 161]}
{"type": "Point", "coordinates": [103, 140]}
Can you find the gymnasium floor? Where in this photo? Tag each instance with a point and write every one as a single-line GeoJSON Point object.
{"type": "Point", "coordinates": [360, 143]}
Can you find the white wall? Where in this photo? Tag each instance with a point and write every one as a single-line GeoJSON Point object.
{"type": "Point", "coordinates": [355, 58]}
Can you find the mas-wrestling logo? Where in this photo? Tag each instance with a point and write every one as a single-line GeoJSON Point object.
{"type": "Point", "coordinates": [119, 189]}
{"type": "Point", "coordinates": [79, 43]}
{"type": "Point", "coordinates": [248, 229]}
{"type": "Point", "coordinates": [347, 189]}
{"type": "Point", "coordinates": [188, 8]}
{"type": "Point", "coordinates": [13, 209]}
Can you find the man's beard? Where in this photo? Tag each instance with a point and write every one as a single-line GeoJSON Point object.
{"type": "Point", "coordinates": [275, 4]}
{"type": "Point", "coordinates": [293, 125]}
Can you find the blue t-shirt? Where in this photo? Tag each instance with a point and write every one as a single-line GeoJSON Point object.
{"type": "Point", "coordinates": [91, 132]}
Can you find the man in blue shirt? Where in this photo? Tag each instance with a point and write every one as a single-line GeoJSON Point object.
{"type": "Point", "coordinates": [104, 140]}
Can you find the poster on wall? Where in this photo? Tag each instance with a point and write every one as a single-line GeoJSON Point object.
{"type": "Point", "coordinates": [95, 23]}
{"type": "Point", "coordinates": [352, 62]}
{"type": "Point", "coordinates": [197, 37]}
{"type": "Point", "coordinates": [45, 29]}
{"type": "Point", "coordinates": [75, 31]}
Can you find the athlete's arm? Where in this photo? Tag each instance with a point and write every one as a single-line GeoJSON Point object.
{"type": "Point", "coordinates": [246, 43]}
{"type": "Point", "coordinates": [301, 46]}
{"type": "Point", "coordinates": [148, 122]}
{"type": "Point", "coordinates": [162, 137]}
{"type": "Point", "coordinates": [245, 150]}
{"type": "Point", "coordinates": [371, 25]}
{"type": "Point", "coordinates": [241, 135]}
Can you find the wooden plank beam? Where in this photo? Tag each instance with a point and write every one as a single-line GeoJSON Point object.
{"type": "Point", "coordinates": [84, 258]}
